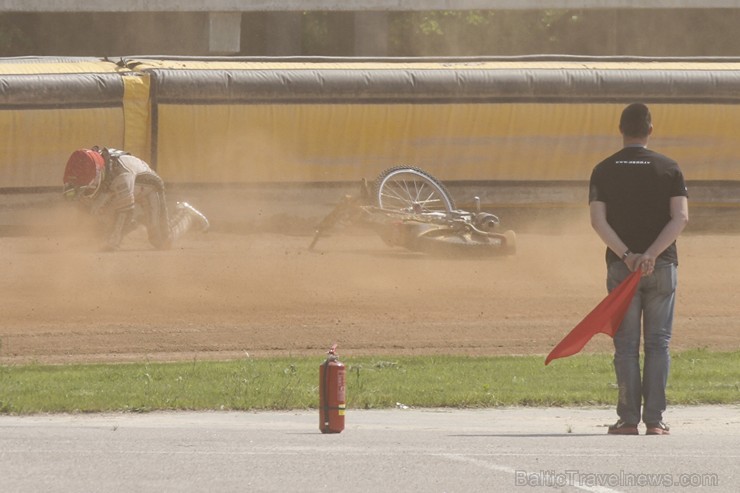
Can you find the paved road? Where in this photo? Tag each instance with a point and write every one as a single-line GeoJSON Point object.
{"type": "Point", "coordinates": [403, 450]}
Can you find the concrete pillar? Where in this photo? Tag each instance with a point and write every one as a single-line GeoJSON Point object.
{"type": "Point", "coordinates": [224, 32]}
{"type": "Point", "coordinates": [371, 33]}
{"type": "Point", "coordinates": [283, 34]}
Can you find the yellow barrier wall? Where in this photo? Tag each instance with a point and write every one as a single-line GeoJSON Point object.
{"type": "Point", "coordinates": [48, 108]}
{"type": "Point", "coordinates": [37, 142]}
{"type": "Point", "coordinates": [137, 116]}
{"type": "Point", "coordinates": [256, 122]}
{"type": "Point", "coordinates": [476, 141]}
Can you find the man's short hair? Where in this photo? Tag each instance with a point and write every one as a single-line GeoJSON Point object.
{"type": "Point", "coordinates": [635, 120]}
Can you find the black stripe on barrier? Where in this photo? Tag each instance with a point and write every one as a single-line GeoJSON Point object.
{"type": "Point", "coordinates": [416, 85]}
{"type": "Point", "coordinates": [61, 90]}
{"type": "Point", "coordinates": [61, 106]}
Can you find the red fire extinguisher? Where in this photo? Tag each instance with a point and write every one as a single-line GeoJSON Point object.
{"type": "Point", "coordinates": [331, 393]}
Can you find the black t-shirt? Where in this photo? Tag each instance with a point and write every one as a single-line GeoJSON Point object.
{"type": "Point", "coordinates": [636, 184]}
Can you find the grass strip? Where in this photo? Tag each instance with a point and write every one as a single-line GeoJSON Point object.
{"type": "Point", "coordinates": [697, 377]}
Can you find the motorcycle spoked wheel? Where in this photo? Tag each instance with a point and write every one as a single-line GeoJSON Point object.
{"type": "Point", "coordinates": [412, 190]}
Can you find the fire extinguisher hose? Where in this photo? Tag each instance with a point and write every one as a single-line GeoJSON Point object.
{"type": "Point", "coordinates": [326, 393]}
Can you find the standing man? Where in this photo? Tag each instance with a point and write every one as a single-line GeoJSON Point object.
{"type": "Point", "coordinates": [123, 191]}
{"type": "Point", "coordinates": [639, 205]}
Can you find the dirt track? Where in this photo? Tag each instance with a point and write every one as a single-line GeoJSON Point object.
{"type": "Point", "coordinates": [220, 295]}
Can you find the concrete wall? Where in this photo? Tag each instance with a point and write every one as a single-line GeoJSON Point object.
{"type": "Point", "coordinates": [345, 5]}
{"type": "Point", "coordinates": [223, 30]}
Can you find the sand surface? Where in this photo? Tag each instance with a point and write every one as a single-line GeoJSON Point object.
{"type": "Point", "coordinates": [224, 295]}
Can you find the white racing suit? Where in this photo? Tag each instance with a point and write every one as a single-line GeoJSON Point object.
{"type": "Point", "coordinates": [132, 193]}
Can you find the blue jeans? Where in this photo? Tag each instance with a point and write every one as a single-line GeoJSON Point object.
{"type": "Point", "coordinates": [651, 313]}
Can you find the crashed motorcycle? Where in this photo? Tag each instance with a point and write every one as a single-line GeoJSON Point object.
{"type": "Point", "coordinates": [408, 207]}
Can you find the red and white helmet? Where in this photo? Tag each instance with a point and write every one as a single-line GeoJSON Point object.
{"type": "Point", "coordinates": [83, 173]}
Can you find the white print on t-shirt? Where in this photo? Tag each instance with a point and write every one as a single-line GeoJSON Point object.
{"type": "Point", "coordinates": [633, 162]}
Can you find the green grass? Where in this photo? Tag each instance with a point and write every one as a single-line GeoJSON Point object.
{"type": "Point", "coordinates": [697, 377]}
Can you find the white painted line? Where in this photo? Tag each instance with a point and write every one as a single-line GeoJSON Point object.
{"type": "Point", "coordinates": [542, 479]}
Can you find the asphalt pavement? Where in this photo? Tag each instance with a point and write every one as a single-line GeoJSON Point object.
{"type": "Point", "coordinates": [398, 450]}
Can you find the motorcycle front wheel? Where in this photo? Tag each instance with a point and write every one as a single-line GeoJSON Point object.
{"type": "Point", "coordinates": [411, 190]}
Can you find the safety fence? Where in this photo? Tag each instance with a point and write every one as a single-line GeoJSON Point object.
{"type": "Point", "coordinates": [297, 120]}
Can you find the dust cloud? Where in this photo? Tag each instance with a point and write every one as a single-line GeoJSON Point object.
{"type": "Point", "coordinates": [259, 291]}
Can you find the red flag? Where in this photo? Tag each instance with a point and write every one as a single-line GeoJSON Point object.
{"type": "Point", "coordinates": [604, 319]}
